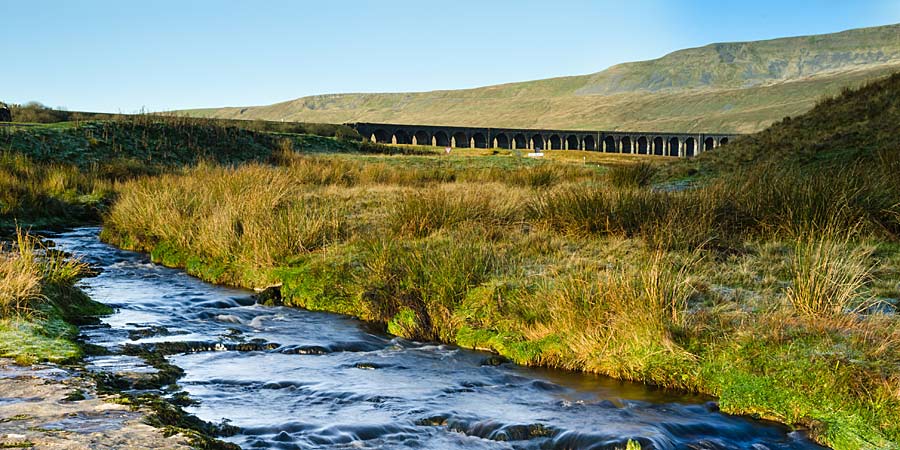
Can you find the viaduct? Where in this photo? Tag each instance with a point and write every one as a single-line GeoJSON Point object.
{"type": "Point", "coordinates": [643, 143]}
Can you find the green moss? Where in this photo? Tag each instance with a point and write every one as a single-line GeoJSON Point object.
{"type": "Point", "coordinates": [40, 340]}
{"type": "Point", "coordinates": [318, 284]}
{"type": "Point", "coordinates": [798, 382]}
{"type": "Point", "coordinates": [17, 444]}
{"type": "Point", "coordinates": [512, 345]}
{"type": "Point", "coordinates": [48, 333]}
{"type": "Point", "coordinates": [404, 323]}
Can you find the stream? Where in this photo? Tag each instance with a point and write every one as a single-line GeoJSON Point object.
{"type": "Point", "coordinates": [289, 378]}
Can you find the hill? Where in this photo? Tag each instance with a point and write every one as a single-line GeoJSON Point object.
{"type": "Point", "coordinates": [730, 87]}
{"type": "Point", "coordinates": [857, 127]}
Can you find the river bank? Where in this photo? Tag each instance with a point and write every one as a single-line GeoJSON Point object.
{"type": "Point", "coordinates": [331, 381]}
{"type": "Point", "coordinates": [568, 273]}
{"type": "Point", "coordinates": [50, 397]}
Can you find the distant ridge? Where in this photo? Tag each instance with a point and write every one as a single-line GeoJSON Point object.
{"type": "Point", "coordinates": [728, 87]}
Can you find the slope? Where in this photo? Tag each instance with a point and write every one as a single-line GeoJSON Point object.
{"type": "Point", "coordinates": [731, 87]}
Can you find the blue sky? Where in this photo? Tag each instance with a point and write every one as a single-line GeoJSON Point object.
{"type": "Point", "coordinates": [121, 56]}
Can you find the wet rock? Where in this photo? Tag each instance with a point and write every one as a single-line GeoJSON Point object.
{"type": "Point", "coordinates": [368, 365]}
{"type": "Point", "coordinates": [51, 419]}
{"type": "Point", "coordinates": [433, 421]}
{"type": "Point", "coordinates": [494, 360]}
{"type": "Point", "coordinates": [270, 296]}
{"type": "Point", "coordinates": [141, 333]}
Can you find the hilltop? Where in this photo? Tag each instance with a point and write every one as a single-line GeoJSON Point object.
{"type": "Point", "coordinates": [731, 87]}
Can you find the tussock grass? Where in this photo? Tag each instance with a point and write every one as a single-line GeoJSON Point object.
{"type": "Point", "coordinates": [635, 175]}
{"type": "Point", "coordinates": [26, 269]}
{"type": "Point", "coordinates": [422, 212]}
{"type": "Point", "coordinates": [620, 321]}
{"type": "Point", "coordinates": [829, 278]}
{"type": "Point", "coordinates": [37, 296]}
{"type": "Point", "coordinates": [20, 280]}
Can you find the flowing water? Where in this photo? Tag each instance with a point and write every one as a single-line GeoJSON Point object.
{"type": "Point", "coordinates": [289, 378]}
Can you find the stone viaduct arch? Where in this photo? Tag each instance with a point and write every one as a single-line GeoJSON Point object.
{"type": "Point", "coordinates": [422, 137]}
{"type": "Point", "coordinates": [659, 146]}
{"type": "Point", "coordinates": [440, 139]}
{"type": "Point", "coordinates": [400, 137]}
{"type": "Point", "coordinates": [520, 141]}
{"type": "Point", "coordinates": [640, 143]}
{"type": "Point", "coordinates": [501, 140]}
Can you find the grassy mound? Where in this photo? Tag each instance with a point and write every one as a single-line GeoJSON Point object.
{"type": "Point", "coordinates": [39, 303]}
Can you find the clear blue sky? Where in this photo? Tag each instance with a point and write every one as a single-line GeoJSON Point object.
{"type": "Point", "coordinates": [123, 55]}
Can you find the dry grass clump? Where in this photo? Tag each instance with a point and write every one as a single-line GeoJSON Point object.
{"type": "Point", "coordinates": [829, 277]}
{"type": "Point", "coordinates": [416, 286]}
{"type": "Point", "coordinates": [620, 321]}
{"type": "Point", "coordinates": [424, 211]}
{"type": "Point", "coordinates": [20, 283]}
{"type": "Point", "coordinates": [255, 215]}
{"type": "Point", "coordinates": [51, 191]}
{"type": "Point", "coordinates": [632, 175]}
{"type": "Point", "coordinates": [26, 267]}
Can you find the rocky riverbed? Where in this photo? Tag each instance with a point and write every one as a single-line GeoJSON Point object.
{"type": "Point", "coordinates": [51, 407]}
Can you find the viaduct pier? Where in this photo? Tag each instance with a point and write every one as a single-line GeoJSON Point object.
{"type": "Point", "coordinates": [633, 142]}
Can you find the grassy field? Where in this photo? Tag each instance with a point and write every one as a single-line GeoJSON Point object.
{"type": "Point", "coordinates": [764, 273]}
{"type": "Point", "coordinates": [64, 173]}
{"type": "Point", "coordinates": [771, 283]}
{"type": "Point", "coordinates": [730, 87]}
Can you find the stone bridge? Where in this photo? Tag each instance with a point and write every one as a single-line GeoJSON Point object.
{"type": "Point", "coordinates": [642, 143]}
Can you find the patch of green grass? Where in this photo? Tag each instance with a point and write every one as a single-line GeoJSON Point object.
{"type": "Point", "coordinates": [31, 341]}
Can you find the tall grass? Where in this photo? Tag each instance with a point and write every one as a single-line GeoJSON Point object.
{"type": "Point", "coordinates": [20, 282]}
{"type": "Point", "coordinates": [633, 175]}
{"type": "Point", "coordinates": [26, 269]}
{"type": "Point", "coordinates": [829, 277]}
{"type": "Point", "coordinates": [424, 211]}
{"type": "Point", "coordinates": [620, 321]}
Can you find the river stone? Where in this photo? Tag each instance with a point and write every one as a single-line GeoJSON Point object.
{"type": "Point", "coordinates": [270, 296]}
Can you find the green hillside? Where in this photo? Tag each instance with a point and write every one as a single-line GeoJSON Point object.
{"type": "Point", "coordinates": [733, 87]}
{"type": "Point", "coordinates": [859, 127]}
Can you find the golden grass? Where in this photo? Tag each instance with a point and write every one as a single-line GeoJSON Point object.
{"type": "Point", "coordinates": [552, 264]}
{"type": "Point", "coordinates": [829, 277]}
{"type": "Point", "coordinates": [26, 268]}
